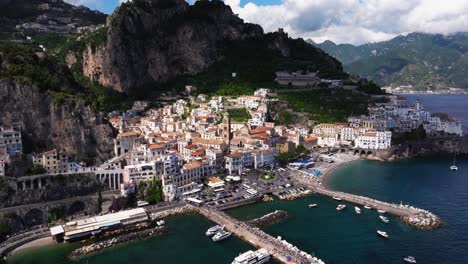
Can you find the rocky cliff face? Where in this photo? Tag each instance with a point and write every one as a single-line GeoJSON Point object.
{"type": "Point", "coordinates": [70, 126]}
{"type": "Point", "coordinates": [156, 40]}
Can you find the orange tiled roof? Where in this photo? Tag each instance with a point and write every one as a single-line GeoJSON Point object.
{"type": "Point", "coordinates": [128, 134]}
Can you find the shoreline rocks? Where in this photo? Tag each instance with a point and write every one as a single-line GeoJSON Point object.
{"type": "Point", "coordinates": [296, 195]}
{"type": "Point", "coordinates": [267, 199]}
{"type": "Point", "coordinates": [95, 247]}
{"type": "Point", "coordinates": [270, 218]}
{"type": "Point", "coordinates": [423, 220]}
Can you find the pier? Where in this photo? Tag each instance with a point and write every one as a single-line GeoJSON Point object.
{"type": "Point", "coordinates": [280, 250]}
{"type": "Point", "coordinates": [413, 216]}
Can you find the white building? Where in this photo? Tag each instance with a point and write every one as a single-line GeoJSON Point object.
{"type": "Point", "coordinates": [374, 140]}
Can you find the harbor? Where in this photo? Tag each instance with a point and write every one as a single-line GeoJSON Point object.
{"type": "Point", "coordinates": [280, 249]}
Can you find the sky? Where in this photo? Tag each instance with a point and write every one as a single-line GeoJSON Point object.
{"type": "Point", "coordinates": [342, 21]}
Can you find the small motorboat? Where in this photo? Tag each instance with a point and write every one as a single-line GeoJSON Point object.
{"type": "Point", "coordinates": [454, 166]}
{"type": "Point", "coordinates": [382, 234]}
{"type": "Point", "coordinates": [367, 207]}
{"type": "Point", "coordinates": [381, 211]}
{"type": "Point", "coordinates": [384, 219]}
{"type": "Point", "coordinates": [357, 210]}
{"type": "Point", "coordinates": [340, 207]}
{"type": "Point", "coordinates": [337, 198]}
{"type": "Point", "coordinates": [312, 205]}
{"type": "Point", "coordinates": [410, 259]}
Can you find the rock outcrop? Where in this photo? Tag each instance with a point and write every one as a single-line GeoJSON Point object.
{"type": "Point", "coordinates": [70, 126]}
{"type": "Point", "coordinates": [157, 40]}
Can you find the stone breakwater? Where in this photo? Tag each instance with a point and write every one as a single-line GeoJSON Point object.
{"type": "Point", "coordinates": [270, 218]}
{"type": "Point", "coordinates": [294, 194]}
{"type": "Point", "coordinates": [95, 247]}
{"type": "Point", "coordinates": [424, 220]}
{"type": "Point", "coordinates": [171, 212]}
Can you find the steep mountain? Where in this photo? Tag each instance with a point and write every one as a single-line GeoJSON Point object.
{"type": "Point", "coordinates": [149, 42]}
{"type": "Point", "coordinates": [418, 60]}
{"type": "Point", "coordinates": [52, 109]}
{"type": "Point", "coordinates": [52, 16]}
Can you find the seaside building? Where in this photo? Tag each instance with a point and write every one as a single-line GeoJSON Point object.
{"type": "Point", "coordinates": [89, 226]}
{"type": "Point", "coordinates": [125, 142]}
{"type": "Point", "coordinates": [10, 137]}
{"type": "Point", "coordinates": [52, 161]}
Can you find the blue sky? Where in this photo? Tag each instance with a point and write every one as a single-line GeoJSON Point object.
{"type": "Point", "coordinates": [108, 6]}
{"type": "Point", "coordinates": [342, 21]}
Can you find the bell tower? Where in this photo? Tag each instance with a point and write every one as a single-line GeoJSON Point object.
{"type": "Point", "coordinates": [226, 129]}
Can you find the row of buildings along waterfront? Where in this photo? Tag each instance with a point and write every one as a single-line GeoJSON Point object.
{"type": "Point", "coordinates": [185, 143]}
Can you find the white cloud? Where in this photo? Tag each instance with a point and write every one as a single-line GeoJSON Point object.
{"type": "Point", "coordinates": [357, 21]}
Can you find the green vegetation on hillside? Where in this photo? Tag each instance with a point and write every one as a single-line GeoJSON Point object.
{"type": "Point", "coordinates": [327, 105]}
{"type": "Point", "coordinates": [420, 60]}
{"type": "Point", "coordinates": [19, 61]}
{"type": "Point", "coordinates": [239, 114]}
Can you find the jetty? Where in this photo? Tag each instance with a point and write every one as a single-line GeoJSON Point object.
{"type": "Point", "coordinates": [416, 217]}
{"type": "Point", "coordinates": [281, 250]}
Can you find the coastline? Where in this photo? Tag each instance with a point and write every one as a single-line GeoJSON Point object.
{"type": "Point", "coordinates": [35, 244]}
{"type": "Point", "coordinates": [328, 172]}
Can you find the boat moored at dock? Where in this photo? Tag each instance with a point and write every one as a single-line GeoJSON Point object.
{"type": "Point", "coordinates": [337, 198]}
{"type": "Point", "coordinates": [221, 235]}
{"type": "Point", "coordinates": [367, 207]}
{"type": "Point", "coordinates": [381, 211]}
{"type": "Point", "coordinates": [253, 257]}
{"type": "Point", "coordinates": [213, 230]}
{"type": "Point", "coordinates": [357, 210]}
{"type": "Point", "coordinates": [384, 219]}
{"type": "Point", "coordinates": [340, 207]}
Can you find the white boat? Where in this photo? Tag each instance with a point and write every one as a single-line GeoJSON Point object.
{"type": "Point", "coordinates": [160, 223]}
{"type": "Point", "coordinates": [213, 230]}
{"type": "Point", "coordinates": [382, 234]}
{"type": "Point", "coordinates": [367, 207]}
{"type": "Point", "coordinates": [253, 257]}
{"type": "Point", "coordinates": [410, 259]}
{"type": "Point", "coordinates": [384, 219]}
{"type": "Point", "coordinates": [381, 211]}
{"type": "Point", "coordinates": [221, 235]}
{"type": "Point", "coordinates": [454, 166]}
{"type": "Point", "coordinates": [337, 198]}
{"type": "Point", "coordinates": [312, 205]}
{"type": "Point", "coordinates": [357, 210]}
{"type": "Point", "coordinates": [340, 207]}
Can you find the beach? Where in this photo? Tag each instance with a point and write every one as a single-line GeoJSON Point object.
{"type": "Point", "coordinates": [38, 243]}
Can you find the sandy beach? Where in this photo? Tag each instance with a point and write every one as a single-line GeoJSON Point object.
{"type": "Point", "coordinates": [328, 169]}
{"type": "Point", "coordinates": [42, 242]}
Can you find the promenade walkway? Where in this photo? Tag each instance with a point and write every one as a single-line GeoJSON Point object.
{"type": "Point", "coordinates": [256, 237]}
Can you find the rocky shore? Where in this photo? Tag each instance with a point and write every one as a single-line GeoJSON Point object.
{"type": "Point", "coordinates": [94, 247]}
{"type": "Point", "coordinates": [424, 220]}
{"type": "Point", "coordinates": [295, 194]}
{"type": "Point", "coordinates": [270, 218]}
{"type": "Point", "coordinates": [171, 212]}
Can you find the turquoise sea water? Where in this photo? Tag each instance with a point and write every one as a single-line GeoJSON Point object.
{"type": "Point", "coordinates": [185, 243]}
{"type": "Point", "coordinates": [336, 237]}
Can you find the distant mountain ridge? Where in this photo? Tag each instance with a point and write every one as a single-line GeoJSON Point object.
{"type": "Point", "coordinates": [419, 60]}
{"type": "Point", "coordinates": [51, 16]}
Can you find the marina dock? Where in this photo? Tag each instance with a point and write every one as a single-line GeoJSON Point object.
{"type": "Point", "coordinates": [413, 216]}
{"type": "Point", "coordinates": [279, 249]}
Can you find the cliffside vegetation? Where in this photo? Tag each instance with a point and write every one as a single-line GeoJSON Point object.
{"type": "Point", "coordinates": [326, 105]}
{"type": "Point", "coordinates": [23, 63]}
{"type": "Point", "coordinates": [419, 60]}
